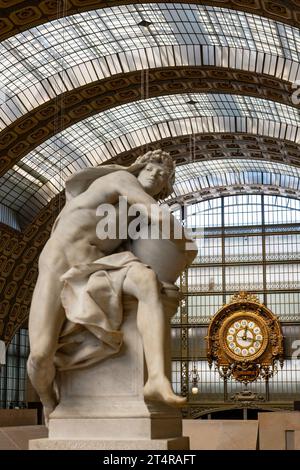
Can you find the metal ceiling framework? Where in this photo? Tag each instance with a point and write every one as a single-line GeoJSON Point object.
{"type": "Point", "coordinates": [19, 15]}
{"type": "Point", "coordinates": [63, 58]}
{"type": "Point", "coordinates": [208, 84]}
{"type": "Point", "coordinates": [105, 135]}
{"type": "Point", "coordinates": [45, 61]}
{"type": "Point", "coordinates": [55, 115]}
{"type": "Point", "coordinates": [198, 180]}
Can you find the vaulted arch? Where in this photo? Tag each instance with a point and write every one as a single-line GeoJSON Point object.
{"type": "Point", "coordinates": [44, 62]}
{"type": "Point", "coordinates": [43, 122]}
{"type": "Point", "coordinates": [40, 174]}
{"type": "Point", "coordinates": [19, 15]}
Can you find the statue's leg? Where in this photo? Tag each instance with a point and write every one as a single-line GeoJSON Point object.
{"type": "Point", "coordinates": [141, 282]}
{"type": "Point", "coordinates": [45, 323]}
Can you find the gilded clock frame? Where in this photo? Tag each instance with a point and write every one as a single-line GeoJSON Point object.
{"type": "Point", "coordinates": [245, 304]}
{"type": "Point", "coordinates": [243, 314]}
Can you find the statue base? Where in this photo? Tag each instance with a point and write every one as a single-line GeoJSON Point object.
{"type": "Point", "coordinates": [176, 443]}
{"type": "Point", "coordinates": [103, 407]}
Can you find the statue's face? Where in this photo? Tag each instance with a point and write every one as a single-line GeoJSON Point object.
{"type": "Point", "coordinates": [153, 178]}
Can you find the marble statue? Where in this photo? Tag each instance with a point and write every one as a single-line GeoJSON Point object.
{"type": "Point", "coordinates": [76, 311]}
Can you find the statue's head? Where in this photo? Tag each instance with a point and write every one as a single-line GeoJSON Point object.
{"type": "Point", "coordinates": [160, 187]}
{"type": "Point", "coordinates": [155, 170]}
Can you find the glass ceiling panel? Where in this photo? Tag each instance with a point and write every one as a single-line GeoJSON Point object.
{"type": "Point", "coordinates": [196, 176]}
{"type": "Point", "coordinates": [8, 217]}
{"type": "Point", "coordinates": [40, 175]}
{"type": "Point", "coordinates": [30, 58]}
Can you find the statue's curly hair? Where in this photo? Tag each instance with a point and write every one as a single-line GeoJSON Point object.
{"type": "Point", "coordinates": [162, 158]}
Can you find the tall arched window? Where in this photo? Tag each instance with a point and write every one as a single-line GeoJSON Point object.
{"type": "Point", "coordinates": [246, 243]}
{"type": "Point", "coordinates": [13, 373]}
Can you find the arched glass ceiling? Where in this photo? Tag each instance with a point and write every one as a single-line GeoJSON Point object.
{"type": "Point", "coordinates": [196, 176]}
{"type": "Point", "coordinates": [100, 43]}
{"type": "Point", "coordinates": [39, 176]}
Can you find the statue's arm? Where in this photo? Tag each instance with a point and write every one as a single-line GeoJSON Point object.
{"type": "Point", "coordinates": [131, 188]}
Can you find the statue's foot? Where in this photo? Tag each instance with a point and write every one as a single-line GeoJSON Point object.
{"type": "Point", "coordinates": [161, 390]}
{"type": "Point", "coordinates": [49, 406]}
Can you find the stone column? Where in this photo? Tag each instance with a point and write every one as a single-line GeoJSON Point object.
{"type": "Point", "coordinates": [102, 406]}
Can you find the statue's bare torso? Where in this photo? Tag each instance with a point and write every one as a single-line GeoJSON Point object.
{"type": "Point", "coordinates": [74, 239]}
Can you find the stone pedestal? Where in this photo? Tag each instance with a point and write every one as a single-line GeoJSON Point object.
{"type": "Point", "coordinates": [102, 406]}
{"type": "Point", "coordinates": [279, 430]}
{"type": "Point", "coordinates": [221, 434]}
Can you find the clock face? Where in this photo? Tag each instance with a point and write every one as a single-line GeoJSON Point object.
{"type": "Point", "coordinates": [244, 336]}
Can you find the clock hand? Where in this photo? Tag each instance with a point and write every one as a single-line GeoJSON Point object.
{"type": "Point", "coordinates": [244, 337]}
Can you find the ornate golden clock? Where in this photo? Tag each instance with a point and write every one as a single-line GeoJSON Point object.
{"type": "Point", "coordinates": [245, 339]}
{"type": "Point", "coordinates": [244, 336]}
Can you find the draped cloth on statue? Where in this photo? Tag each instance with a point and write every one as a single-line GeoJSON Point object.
{"type": "Point", "coordinates": [92, 299]}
